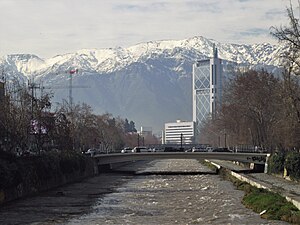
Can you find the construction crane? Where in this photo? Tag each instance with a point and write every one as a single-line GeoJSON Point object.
{"type": "Point", "coordinates": [71, 72]}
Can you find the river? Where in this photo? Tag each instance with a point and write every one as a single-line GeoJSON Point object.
{"type": "Point", "coordinates": [121, 198]}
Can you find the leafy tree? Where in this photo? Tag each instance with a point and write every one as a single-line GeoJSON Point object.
{"type": "Point", "coordinates": [292, 164]}
{"type": "Point", "coordinates": [132, 127]}
{"type": "Point", "coordinates": [129, 126]}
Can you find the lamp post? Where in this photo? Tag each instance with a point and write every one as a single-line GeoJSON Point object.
{"type": "Point", "coordinates": [181, 137]}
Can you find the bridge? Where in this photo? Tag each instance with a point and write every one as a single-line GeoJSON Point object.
{"type": "Point", "coordinates": [258, 159]}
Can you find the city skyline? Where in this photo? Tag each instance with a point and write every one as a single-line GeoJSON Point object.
{"type": "Point", "coordinates": [47, 28]}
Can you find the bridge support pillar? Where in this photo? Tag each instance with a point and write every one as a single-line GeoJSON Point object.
{"type": "Point", "coordinates": [266, 163]}
{"type": "Point", "coordinates": [257, 167]}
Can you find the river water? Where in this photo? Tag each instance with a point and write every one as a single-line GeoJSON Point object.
{"type": "Point", "coordinates": [143, 199]}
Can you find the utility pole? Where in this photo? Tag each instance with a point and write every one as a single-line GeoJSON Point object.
{"type": "Point", "coordinates": [32, 86]}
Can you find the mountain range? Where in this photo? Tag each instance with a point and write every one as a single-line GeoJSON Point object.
{"type": "Point", "coordinates": [149, 83]}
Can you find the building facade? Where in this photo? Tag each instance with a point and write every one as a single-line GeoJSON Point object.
{"type": "Point", "coordinates": [179, 132]}
{"type": "Point", "coordinates": [207, 89]}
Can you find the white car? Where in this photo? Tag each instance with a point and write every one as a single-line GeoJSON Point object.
{"type": "Point", "coordinates": [194, 149]}
{"type": "Point", "coordinates": [91, 152]}
{"type": "Point", "coordinates": [209, 149]}
{"type": "Point", "coordinates": [126, 150]}
{"type": "Point", "coordinates": [141, 149]}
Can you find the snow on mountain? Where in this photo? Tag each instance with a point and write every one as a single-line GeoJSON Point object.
{"type": "Point", "coordinates": [149, 83]}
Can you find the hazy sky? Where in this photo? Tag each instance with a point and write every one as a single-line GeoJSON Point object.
{"type": "Point", "coordinates": [50, 27]}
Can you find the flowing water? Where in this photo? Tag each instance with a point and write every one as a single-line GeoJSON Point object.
{"type": "Point", "coordinates": [148, 199]}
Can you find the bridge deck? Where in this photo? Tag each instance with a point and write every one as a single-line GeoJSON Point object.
{"type": "Point", "coordinates": [257, 158]}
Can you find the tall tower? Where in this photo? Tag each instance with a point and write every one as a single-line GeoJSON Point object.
{"type": "Point", "coordinates": [207, 89]}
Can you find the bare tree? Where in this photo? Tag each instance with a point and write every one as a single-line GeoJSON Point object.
{"type": "Point", "coordinates": [289, 36]}
{"type": "Point", "coordinates": [251, 110]}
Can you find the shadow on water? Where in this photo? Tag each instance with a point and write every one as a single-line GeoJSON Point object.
{"type": "Point", "coordinates": [164, 173]}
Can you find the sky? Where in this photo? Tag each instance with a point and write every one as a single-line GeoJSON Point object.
{"type": "Point", "coordinates": [50, 27]}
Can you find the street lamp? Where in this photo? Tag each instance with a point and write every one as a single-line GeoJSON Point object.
{"type": "Point", "coordinates": [181, 137]}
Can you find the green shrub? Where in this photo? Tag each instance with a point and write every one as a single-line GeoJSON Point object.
{"type": "Point", "coordinates": [276, 206]}
{"type": "Point", "coordinates": [71, 162]}
{"type": "Point", "coordinates": [292, 164]}
{"type": "Point", "coordinates": [276, 163]}
{"type": "Point", "coordinates": [46, 166]}
{"type": "Point", "coordinates": [9, 174]}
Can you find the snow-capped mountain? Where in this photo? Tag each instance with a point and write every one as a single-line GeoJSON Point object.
{"type": "Point", "coordinates": [149, 83]}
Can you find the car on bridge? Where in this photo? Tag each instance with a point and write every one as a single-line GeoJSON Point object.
{"type": "Point", "coordinates": [194, 149]}
{"type": "Point", "coordinates": [91, 152]}
{"type": "Point", "coordinates": [141, 149]}
{"type": "Point", "coordinates": [126, 150]}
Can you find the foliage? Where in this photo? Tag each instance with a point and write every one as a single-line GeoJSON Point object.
{"type": "Point", "coordinates": [259, 109]}
{"type": "Point", "coordinates": [292, 164]}
{"type": "Point", "coordinates": [71, 162]}
{"type": "Point", "coordinates": [276, 163]}
{"type": "Point", "coordinates": [251, 112]}
{"type": "Point", "coordinates": [39, 169]}
{"type": "Point", "coordinates": [9, 174]}
{"type": "Point", "coordinates": [276, 206]}
{"type": "Point", "coordinates": [289, 160]}
{"type": "Point", "coordinates": [129, 126]}
{"type": "Point", "coordinates": [67, 128]}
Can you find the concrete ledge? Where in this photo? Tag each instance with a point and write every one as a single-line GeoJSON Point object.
{"type": "Point", "coordinates": [253, 183]}
{"type": "Point", "coordinates": [259, 184]}
{"type": "Point", "coordinates": [294, 199]}
{"type": "Point", "coordinates": [214, 164]}
{"type": "Point", "coordinates": [295, 202]}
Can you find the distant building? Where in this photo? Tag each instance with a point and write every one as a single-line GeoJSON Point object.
{"type": "Point", "coordinates": [207, 89]}
{"type": "Point", "coordinates": [145, 131]}
{"type": "Point", "coordinates": [173, 133]}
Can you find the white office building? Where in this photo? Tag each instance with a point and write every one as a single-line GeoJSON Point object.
{"type": "Point", "coordinates": [207, 89]}
{"type": "Point", "coordinates": [179, 131]}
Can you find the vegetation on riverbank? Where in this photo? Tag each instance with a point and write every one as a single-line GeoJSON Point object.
{"type": "Point", "coordinates": [289, 161]}
{"type": "Point", "coordinates": [270, 205]}
{"type": "Point", "coordinates": [274, 205]}
{"type": "Point", "coordinates": [23, 176]}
